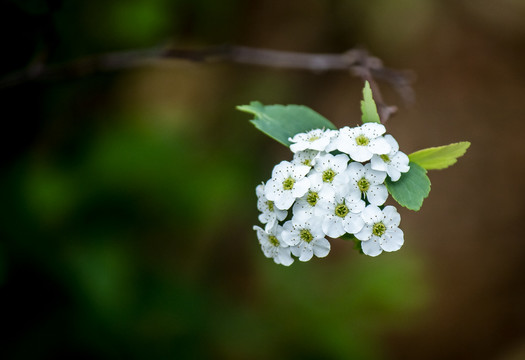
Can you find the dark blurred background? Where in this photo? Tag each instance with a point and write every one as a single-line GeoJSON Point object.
{"type": "Point", "coordinates": [128, 197]}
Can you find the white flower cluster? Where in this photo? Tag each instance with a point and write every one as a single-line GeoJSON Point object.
{"type": "Point", "coordinates": [333, 186]}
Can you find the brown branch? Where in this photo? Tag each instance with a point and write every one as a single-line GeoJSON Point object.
{"type": "Point", "coordinates": [357, 61]}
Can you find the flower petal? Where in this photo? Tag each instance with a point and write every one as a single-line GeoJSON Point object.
{"type": "Point", "coordinates": [260, 232]}
{"type": "Point", "coordinates": [326, 193]}
{"type": "Point", "coordinates": [355, 171]}
{"type": "Point", "coordinates": [302, 214]}
{"type": "Point", "coordinates": [371, 247]}
{"type": "Point", "coordinates": [299, 146]}
{"type": "Point", "coordinates": [355, 206]}
{"type": "Point", "coordinates": [323, 163]}
{"type": "Point", "coordinates": [360, 153]}
{"type": "Point", "coordinates": [400, 161]}
{"type": "Point", "coordinates": [282, 170]}
{"type": "Point", "coordinates": [323, 208]}
{"type": "Point", "coordinates": [289, 236]}
{"type": "Point", "coordinates": [392, 217]}
{"type": "Point", "coordinates": [377, 194]}
{"type": "Point", "coordinates": [376, 163]}
{"type": "Point", "coordinates": [365, 233]}
{"type": "Point", "coordinates": [372, 214]}
{"type": "Point", "coordinates": [300, 171]}
{"type": "Point", "coordinates": [372, 130]}
{"type": "Point", "coordinates": [284, 257]}
{"type": "Point", "coordinates": [315, 224]}
{"type": "Point", "coordinates": [270, 224]}
{"type": "Point", "coordinates": [306, 157]}
{"type": "Point", "coordinates": [297, 137]}
{"type": "Point", "coordinates": [354, 197]}
{"type": "Point", "coordinates": [392, 240]}
{"type": "Point", "coordinates": [285, 201]}
{"type": "Point", "coordinates": [379, 146]}
{"type": "Point", "coordinates": [316, 180]}
{"type": "Point", "coordinates": [296, 251]}
{"type": "Point", "coordinates": [333, 227]}
{"type": "Point", "coordinates": [353, 223]}
{"type": "Point", "coordinates": [266, 217]}
{"type": "Point", "coordinates": [392, 142]}
{"type": "Point", "coordinates": [306, 253]}
{"type": "Point", "coordinates": [280, 214]}
{"type": "Point", "coordinates": [273, 189]}
{"type": "Point", "coordinates": [375, 177]}
{"type": "Point", "coordinates": [301, 187]}
{"type": "Point", "coordinates": [320, 144]}
{"type": "Point", "coordinates": [259, 190]}
{"type": "Point", "coordinates": [394, 173]}
{"type": "Point", "coordinates": [340, 162]}
{"type": "Point", "coordinates": [321, 247]}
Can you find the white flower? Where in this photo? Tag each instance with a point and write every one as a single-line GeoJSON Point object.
{"type": "Point", "coordinates": [273, 246]}
{"type": "Point", "coordinates": [362, 142]}
{"type": "Point", "coordinates": [316, 139]}
{"type": "Point", "coordinates": [330, 170]}
{"type": "Point", "coordinates": [306, 238]}
{"type": "Point", "coordinates": [368, 182]}
{"type": "Point", "coordinates": [306, 157]}
{"type": "Point", "coordinates": [288, 182]}
{"type": "Point", "coordinates": [332, 146]}
{"type": "Point", "coordinates": [381, 231]}
{"type": "Point", "coordinates": [269, 212]}
{"type": "Point", "coordinates": [394, 163]}
{"type": "Point", "coordinates": [341, 214]}
{"type": "Point", "coordinates": [305, 206]}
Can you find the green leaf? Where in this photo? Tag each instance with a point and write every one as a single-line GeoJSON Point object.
{"type": "Point", "coordinates": [411, 189]}
{"type": "Point", "coordinates": [440, 157]}
{"type": "Point", "coordinates": [282, 122]}
{"type": "Point", "coordinates": [368, 106]}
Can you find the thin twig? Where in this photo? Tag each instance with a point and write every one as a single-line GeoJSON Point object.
{"type": "Point", "coordinates": [357, 61]}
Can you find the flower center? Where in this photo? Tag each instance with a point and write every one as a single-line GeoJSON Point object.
{"type": "Point", "coordinates": [306, 235]}
{"type": "Point", "coordinates": [378, 229]}
{"type": "Point", "coordinates": [307, 162]}
{"type": "Point", "coordinates": [341, 210]}
{"type": "Point", "coordinates": [328, 175]}
{"type": "Point", "coordinates": [270, 205]}
{"type": "Point", "coordinates": [362, 140]}
{"type": "Point", "coordinates": [312, 198]}
{"type": "Point", "coordinates": [313, 138]}
{"type": "Point", "coordinates": [288, 184]}
{"type": "Point", "coordinates": [363, 185]}
{"type": "Point", "coordinates": [273, 240]}
{"type": "Point", "coordinates": [385, 158]}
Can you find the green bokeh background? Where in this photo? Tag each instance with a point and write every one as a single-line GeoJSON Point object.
{"type": "Point", "coordinates": [128, 197]}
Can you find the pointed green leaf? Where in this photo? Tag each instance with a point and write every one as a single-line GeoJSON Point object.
{"type": "Point", "coordinates": [368, 106]}
{"type": "Point", "coordinates": [282, 122]}
{"type": "Point", "coordinates": [439, 157]}
{"type": "Point", "coordinates": [411, 189]}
